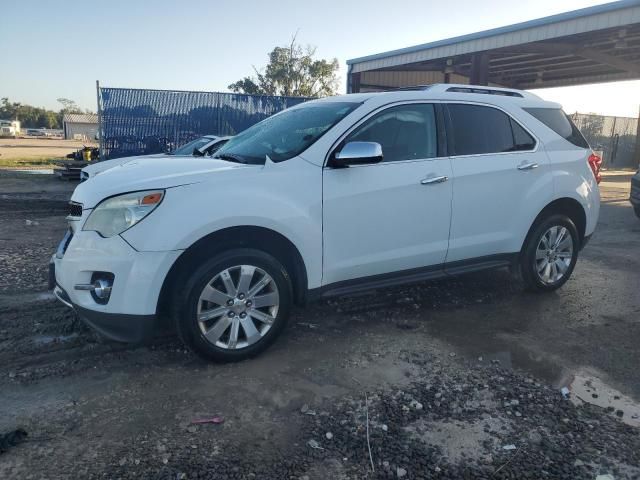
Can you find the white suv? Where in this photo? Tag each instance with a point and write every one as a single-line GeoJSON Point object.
{"type": "Point", "coordinates": [329, 197]}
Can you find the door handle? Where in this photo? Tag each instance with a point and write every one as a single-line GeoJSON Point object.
{"type": "Point", "coordinates": [433, 180]}
{"type": "Point", "coordinates": [527, 166]}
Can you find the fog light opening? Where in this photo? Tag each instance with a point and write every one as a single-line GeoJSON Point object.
{"type": "Point", "coordinates": [102, 285]}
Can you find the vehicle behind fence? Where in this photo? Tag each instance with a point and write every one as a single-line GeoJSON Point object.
{"type": "Point", "coordinates": [141, 122]}
{"type": "Point", "coordinates": [615, 137]}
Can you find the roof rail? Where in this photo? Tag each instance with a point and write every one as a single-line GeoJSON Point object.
{"type": "Point", "coordinates": [485, 91]}
{"type": "Point", "coordinates": [412, 88]}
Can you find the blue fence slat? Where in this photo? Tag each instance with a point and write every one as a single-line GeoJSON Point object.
{"type": "Point", "coordinates": [141, 122]}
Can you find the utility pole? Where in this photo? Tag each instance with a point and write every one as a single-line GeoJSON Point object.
{"type": "Point", "coordinates": [637, 154]}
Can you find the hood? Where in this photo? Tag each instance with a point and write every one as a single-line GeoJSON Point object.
{"type": "Point", "coordinates": [99, 167]}
{"type": "Point", "coordinates": [146, 173]}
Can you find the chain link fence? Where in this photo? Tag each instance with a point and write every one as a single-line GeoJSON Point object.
{"type": "Point", "coordinates": [615, 137]}
{"type": "Point", "coordinates": [141, 122]}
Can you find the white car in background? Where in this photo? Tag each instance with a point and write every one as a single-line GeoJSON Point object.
{"type": "Point", "coordinates": [200, 147]}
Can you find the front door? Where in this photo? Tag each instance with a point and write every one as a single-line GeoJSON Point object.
{"type": "Point", "coordinates": [394, 215]}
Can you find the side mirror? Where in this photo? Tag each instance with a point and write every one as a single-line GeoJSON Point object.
{"type": "Point", "coordinates": [197, 153]}
{"type": "Point", "coordinates": [357, 153]}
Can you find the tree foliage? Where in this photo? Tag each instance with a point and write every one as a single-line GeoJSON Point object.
{"type": "Point", "coordinates": [69, 106]}
{"type": "Point", "coordinates": [292, 71]}
{"type": "Point", "coordinates": [36, 117]}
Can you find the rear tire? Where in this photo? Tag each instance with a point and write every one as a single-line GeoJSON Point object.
{"type": "Point", "coordinates": [637, 210]}
{"type": "Point", "coordinates": [550, 253]}
{"type": "Point", "coordinates": [233, 306]}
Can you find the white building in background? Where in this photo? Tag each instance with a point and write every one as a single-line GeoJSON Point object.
{"type": "Point", "coordinates": [80, 126]}
{"type": "Point", "coordinates": [9, 128]}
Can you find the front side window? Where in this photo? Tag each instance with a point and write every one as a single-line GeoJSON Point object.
{"type": "Point", "coordinates": [405, 132]}
{"type": "Point", "coordinates": [477, 130]}
{"type": "Point", "coordinates": [286, 134]}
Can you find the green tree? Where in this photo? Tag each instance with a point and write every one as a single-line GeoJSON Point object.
{"type": "Point", "coordinates": [29, 116]}
{"type": "Point", "coordinates": [69, 106]}
{"type": "Point", "coordinates": [49, 119]}
{"type": "Point", "coordinates": [8, 110]}
{"type": "Point", "coordinates": [292, 71]}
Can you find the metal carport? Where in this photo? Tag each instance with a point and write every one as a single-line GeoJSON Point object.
{"type": "Point", "coordinates": [590, 45]}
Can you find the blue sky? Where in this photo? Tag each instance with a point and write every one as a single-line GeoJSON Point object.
{"type": "Point", "coordinates": [59, 49]}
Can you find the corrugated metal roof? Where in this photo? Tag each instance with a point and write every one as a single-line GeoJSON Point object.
{"type": "Point", "coordinates": [80, 118]}
{"type": "Point", "coordinates": [578, 21]}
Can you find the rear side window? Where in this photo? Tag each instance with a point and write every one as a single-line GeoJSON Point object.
{"type": "Point", "coordinates": [559, 122]}
{"type": "Point", "coordinates": [479, 130]}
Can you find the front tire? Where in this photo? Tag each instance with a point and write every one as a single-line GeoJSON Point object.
{"type": "Point", "coordinates": [550, 253]}
{"type": "Point", "coordinates": [234, 305]}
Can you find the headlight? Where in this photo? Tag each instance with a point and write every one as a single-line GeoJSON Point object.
{"type": "Point", "coordinates": [116, 214]}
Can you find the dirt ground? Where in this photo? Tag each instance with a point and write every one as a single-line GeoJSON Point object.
{"type": "Point", "coordinates": [30, 148]}
{"type": "Point", "coordinates": [457, 378]}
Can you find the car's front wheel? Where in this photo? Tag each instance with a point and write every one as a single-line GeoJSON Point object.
{"type": "Point", "coordinates": [550, 253]}
{"type": "Point", "coordinates": [234, 305]}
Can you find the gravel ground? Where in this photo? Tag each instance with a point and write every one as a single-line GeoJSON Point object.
{"type": "Point", "coordinates": [452, 371]}
{"type": "Point", "coordinates": [24, 264]}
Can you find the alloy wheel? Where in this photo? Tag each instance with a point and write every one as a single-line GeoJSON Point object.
{"type": "Point", "coordinates": [238, 307]}
{"type": "Point", "coordinates": [554, 254]}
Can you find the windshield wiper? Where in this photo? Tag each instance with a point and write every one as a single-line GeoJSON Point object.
{"type": "Point", "coordinates": [231, 157]}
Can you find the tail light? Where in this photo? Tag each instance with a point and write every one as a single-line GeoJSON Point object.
{"type": "Point", "coordinates": [595, 162]}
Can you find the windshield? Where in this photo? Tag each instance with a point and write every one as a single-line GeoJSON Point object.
{"type": "Point", "coordinates": [187, 148]}
{"type": "Point", "coordinates": [286, 134]}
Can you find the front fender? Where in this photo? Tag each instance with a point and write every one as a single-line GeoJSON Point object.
{"type": "Point", "coordinates": [282, 198]}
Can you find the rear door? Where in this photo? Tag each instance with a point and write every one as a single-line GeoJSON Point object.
{"type": "Point", "coordinates": [394, 215]}
{"type": "Point", "coordinates": [501, 175]}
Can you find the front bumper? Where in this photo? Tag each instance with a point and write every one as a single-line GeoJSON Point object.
{"type": "Point", "coordinates": [130, 313]}
{"type": "Point", "coordinates": [116, 326]}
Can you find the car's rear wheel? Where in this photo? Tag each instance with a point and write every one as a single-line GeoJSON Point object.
{"type": "Point", "coordinates": [637, 210]}
{"type": "Point", "coordinates": [550, 253]}
{"type": "Point", "coordinates": [234, 305]}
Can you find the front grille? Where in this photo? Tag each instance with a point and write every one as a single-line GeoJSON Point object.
{"type": "Point", "coordinates": [75, 209]}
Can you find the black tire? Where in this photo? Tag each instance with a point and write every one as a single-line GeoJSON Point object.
{"type": "Point", "coordinates": [528, 263]}
{"type": "Point", "coordinates": [637, 210]}
{"type": "Point", "coordinates": [186, 302]}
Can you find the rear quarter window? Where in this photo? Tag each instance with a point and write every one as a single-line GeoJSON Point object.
{"type": "Point", "coordinates": [559, 122]}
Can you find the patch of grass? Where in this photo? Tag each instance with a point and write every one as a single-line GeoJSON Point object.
{"type": "Point", "coordinates": [28, 162]}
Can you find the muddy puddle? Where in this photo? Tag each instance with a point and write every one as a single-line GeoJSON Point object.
{"type": "Point", "coordinates": [581, 387]}
{"type": "Point", "coordinates": [589, 389]}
